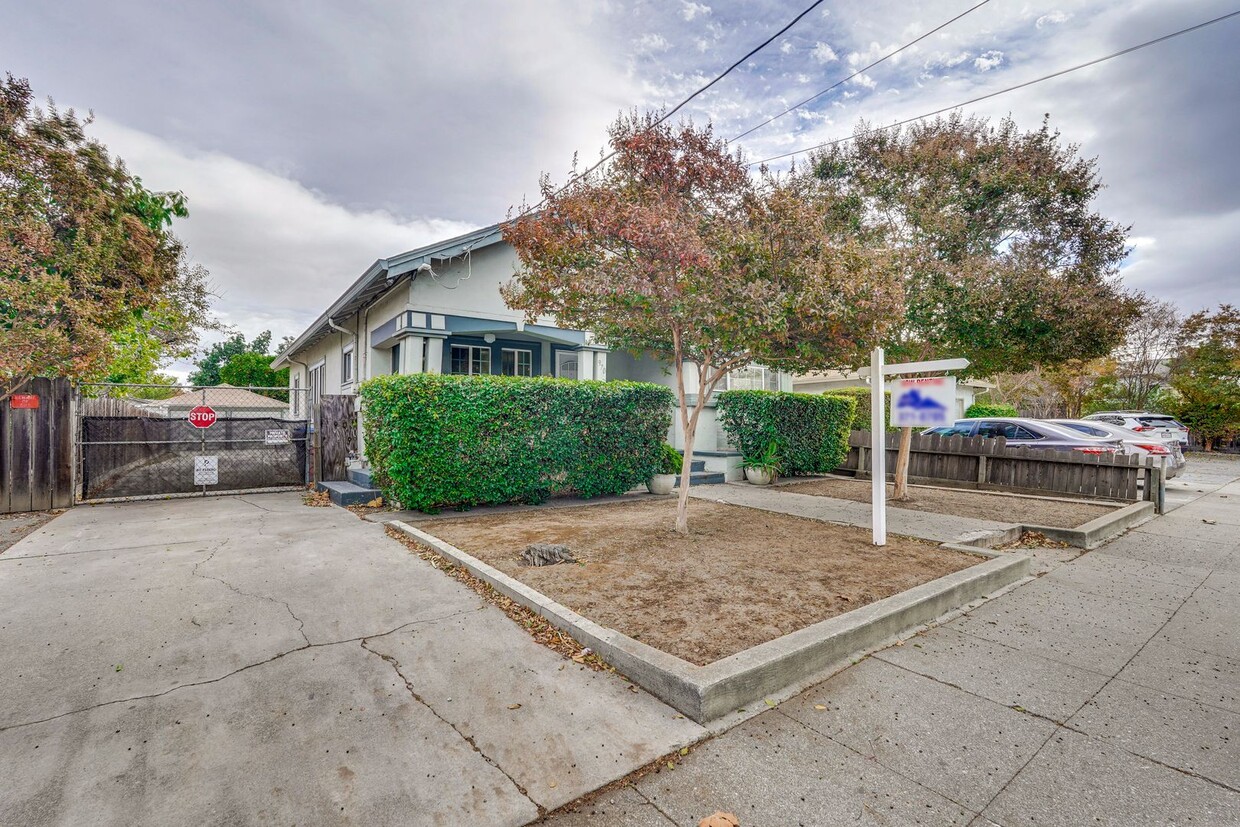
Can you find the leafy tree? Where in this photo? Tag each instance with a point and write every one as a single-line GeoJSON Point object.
{"type": "Point", "coordinates": [84, 246]}
{"type": "Point", "coordinates": [1205, 374]}
{"type": "Point", "coordinates": [253, 370]}
{"type": "Point", "coordinates": [1003, 259]}
{"type": "Point", "coordinates": [1143, 361]}
{"type": "Point", "coordinates": [673, 249]}
{"type": "Point", "coordinates": [218, 354]}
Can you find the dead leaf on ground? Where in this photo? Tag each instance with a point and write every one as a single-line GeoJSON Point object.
{"type": "Point", "coordinates": [720, 819]}
{"type": "Point", "coordinates": [1209, 522]}
{"type": "Point", "coordinates": [514, 706]}
{"type": "Point", "coordinates": [819, 707]}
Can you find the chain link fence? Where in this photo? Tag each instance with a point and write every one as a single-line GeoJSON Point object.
{"type": "Point", "coordinates": [145, 441]}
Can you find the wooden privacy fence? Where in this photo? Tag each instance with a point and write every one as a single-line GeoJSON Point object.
{"type": "Point", "coordinates": [989, 463]}
{"type": "Point", "coordinates": [337, 432]}
{"type": "Point", "coordinates": [36, 447]}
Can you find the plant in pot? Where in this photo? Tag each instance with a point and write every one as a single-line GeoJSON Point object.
{"type": "Point", "coordinates": [664, 478]}
{"type": "Point", "coordinates": [763, 468]}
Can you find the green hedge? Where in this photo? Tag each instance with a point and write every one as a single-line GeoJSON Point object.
{"type": "Point", "coordinates": [861, 396]}
{"type": "Point", "coordinates": [438, 441]}
{"type": "Point", "coordinates": [811, 430]}
{"type": "Point", "coordinates": [978, 410]}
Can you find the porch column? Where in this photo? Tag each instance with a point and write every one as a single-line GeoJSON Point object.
{"type": "Point", "coordinates": [600, 365]}
{"type": "Point", "coordinates": [585, 364]}
{"type": "Point", "coordinates": [434, 355]}
{"type": "Point", "coordinates": [411, 354]}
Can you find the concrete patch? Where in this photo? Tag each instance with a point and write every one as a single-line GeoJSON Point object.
{"type": "Point", "coordinates": [705, 693]}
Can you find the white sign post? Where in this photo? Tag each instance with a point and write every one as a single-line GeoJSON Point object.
{"type": "Point", "coordinates": [921, 408]}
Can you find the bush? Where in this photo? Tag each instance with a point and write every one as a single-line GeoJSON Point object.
{"type": "Point", "coordinates": [670, 460]}
{"type": "Point", "coordinates": [979, 410]}
{"type": "Point", "coordinates": [438, 441]}
{"type": "Point", "coordinates": [861, 396]}
{"type": "Point", "coordinates": [810, 430]}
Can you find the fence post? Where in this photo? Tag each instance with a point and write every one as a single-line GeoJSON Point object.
{"type": "Point", "coordinates": [861, 449]}
{"type": "Point", "coordinates": [1160, 505]}
{"type": "Point", "coordinates": [981, 469]}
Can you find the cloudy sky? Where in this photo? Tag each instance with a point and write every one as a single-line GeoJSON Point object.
{"type": "Point", "coordinates": [312, 138]}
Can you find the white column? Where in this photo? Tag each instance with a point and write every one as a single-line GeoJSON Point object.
{"type": "Point", "coordinates": [878, 448]}
{"type": "Point", "coordinates": [411, 354]}
{"type": "Point", "coordinates": [585, 364]}
{"type": "Point", "coordinates": [434, 355]}
{"type": "Point", "coordinates": [600, 366]}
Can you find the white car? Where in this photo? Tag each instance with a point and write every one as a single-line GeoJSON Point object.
{"type": "Point", "coordinates": [1161, 425]}
{"type": "Point", "coordinates": [1141, 444]}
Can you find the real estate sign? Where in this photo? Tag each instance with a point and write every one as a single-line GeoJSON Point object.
{"type": "Point", "coordinates": [923, 402]}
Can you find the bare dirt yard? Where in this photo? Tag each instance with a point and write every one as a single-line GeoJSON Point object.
{"type": "Point", "coordinates": [960, 503]}
{"type": "Point", "coordinates": [13, 527]}
{"type": "Point", "coordinates": [742, 577]}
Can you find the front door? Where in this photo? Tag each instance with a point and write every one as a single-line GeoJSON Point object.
{"type": "Point", "coordinates": [566, 364]}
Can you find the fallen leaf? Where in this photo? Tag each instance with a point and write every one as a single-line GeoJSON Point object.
{"type": "Point", "coordinates": [819, 707]}
{"type": "Point", "coordinates": [671, 765]}
{"type": "Point", "coordinates": [552, 785]}
{"type": "Point", "coordinates": [770, 703]}
{"type": "Point", "coordinates": [720, 819]}
{"type": "Point", "coordinates": [684, 750]}
{"type": "Point", "coordinates": [514, 706]}
{"type": "Point", "coordinates": [1209, 522]}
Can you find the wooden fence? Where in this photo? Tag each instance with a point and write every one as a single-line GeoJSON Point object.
{"type": "Point", "coordinates": [989, 463]}
{"type": "Point", "coordinates": [36, 447]}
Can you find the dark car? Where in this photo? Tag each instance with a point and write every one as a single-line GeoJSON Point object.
{"type": "Point", "coordinates": [1032, 432]}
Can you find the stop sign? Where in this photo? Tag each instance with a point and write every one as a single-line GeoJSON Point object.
{"type": "Point", "coordinates": [202, 417]}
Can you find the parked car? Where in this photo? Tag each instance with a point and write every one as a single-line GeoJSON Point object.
{"type": "Point", "coordinates": [1141, 444]}
{"type": "Point", "coordinates": [1032, 432]}
{"type": "Point", "coordinates": [1164, 426]}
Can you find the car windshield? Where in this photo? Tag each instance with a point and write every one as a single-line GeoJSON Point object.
{"type": "Point", "coordinates": [1159, 421]}
{"type": "Point", "coordinates": [1084, 427]}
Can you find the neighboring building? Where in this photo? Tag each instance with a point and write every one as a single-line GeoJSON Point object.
{"type": "Point", "coordinates": [228, 401]}
{"type": "Point", "coordinates": [967, 390]}
{"type": "Point", "coordinates": [438, 309]}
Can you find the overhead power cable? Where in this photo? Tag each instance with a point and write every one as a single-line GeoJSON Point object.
{"type": "Point", "coordinates": [989, 95]}
{"type": "Point", "coordinates": [860, 71]}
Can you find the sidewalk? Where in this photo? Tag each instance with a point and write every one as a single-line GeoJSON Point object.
{"type": "Point", "coordinates": [1106, 692]}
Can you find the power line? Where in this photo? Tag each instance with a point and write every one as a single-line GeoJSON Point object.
{"type": "Point", "coordinates": [1003, 91]}
{"type": "Point", "coordinates": [838, 84]}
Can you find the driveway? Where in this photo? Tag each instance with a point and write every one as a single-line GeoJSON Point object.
{"type": "Point", "coordinates": [251, 660]}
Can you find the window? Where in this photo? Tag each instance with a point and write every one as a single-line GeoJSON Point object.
{"type": "Point", "coordinates": [514, 362]}
{"type": "Point", "coordinates": [296, 395]}
{"type": "Point", "coordinates": [753, 378]}
{"type": "Point", "coordinates": [346, 366]}
{"type": "Point", "coordinates": [396, 358]}
{"type": "Point", "coordinates": [316, 384]}
{"type": "Point", "coordinates": [472, 360]}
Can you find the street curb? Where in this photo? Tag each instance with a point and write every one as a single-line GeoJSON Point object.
{"type": "Point", "coordinates": [1096, 532]}
{"type": "Point", "coordinates": [705, 693]}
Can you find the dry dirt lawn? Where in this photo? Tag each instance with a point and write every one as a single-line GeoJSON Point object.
{"type": "Point", "coordinates": [977, 504]}
{"type": "Point", "coordinates": [13, 527]}
{"type": "Point", "coordinates": [742, 577]}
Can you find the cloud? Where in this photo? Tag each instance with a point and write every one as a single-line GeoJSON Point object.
{"type": "Point", "coordinates": [689, 10]}
{"type": "Point", "coordinates": [865, 81]}
{"type": "Point", "coordinates": [652, 42]}
{"type": "Point", "coordinates": [824, 53]}
{"type": "Point", "coordinates": [988, 60]}
{"type": "Point", "coordinates": [786, 47]}
{"type": "Point", "coordinates": [1053, 18]}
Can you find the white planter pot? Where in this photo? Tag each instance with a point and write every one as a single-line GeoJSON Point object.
{"type": "Point", "coordinates": [758, 476]}
{"type": "Point", "coordinates": [661, 483]}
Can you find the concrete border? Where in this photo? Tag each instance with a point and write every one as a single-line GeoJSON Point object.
{"type": "Point", "coordinates": [705, 693]}
{"type": "Point", "coordinates": [1097, 531]}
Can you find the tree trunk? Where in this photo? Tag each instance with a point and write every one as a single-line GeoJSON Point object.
{"type": "Point", "coordinates": [682, 505]}
{"type": "Point", "coordinates": [901, 474]}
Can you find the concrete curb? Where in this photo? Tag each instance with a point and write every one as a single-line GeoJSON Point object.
{"type": "Point", "coordinates": [1096, 532]}
{"type": "Point", "coordinates": [705, 693]}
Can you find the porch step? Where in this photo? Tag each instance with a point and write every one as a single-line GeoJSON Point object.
{"type": "Point", "coordinates": [697, 465]}
{"type": "Point", "coordinates": [361, 476]}
{"type": "Point", "coordinates": [348, 493]}
{"type": "Point", "coordinates": [704, 478]}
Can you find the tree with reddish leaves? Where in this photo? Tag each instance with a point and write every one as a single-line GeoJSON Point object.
{"type": "Point", "coordinates": [673, 249]}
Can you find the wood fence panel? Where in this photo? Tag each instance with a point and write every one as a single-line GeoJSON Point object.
{"type": "Point", "coordinates": [337, 433]}
{"type": "Point", "coordinates": [36, 449]}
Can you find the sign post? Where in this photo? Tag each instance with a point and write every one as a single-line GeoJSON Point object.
{"type": "Point", "coordinates": [917, 403]}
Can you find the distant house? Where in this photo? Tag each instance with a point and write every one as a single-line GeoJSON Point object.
{"type": "Point", "coordinates": [967, 390]}
{"type": "Point", "coordinates": [438, 309]}
{"type": "Point", "coordinates": [228, 402]}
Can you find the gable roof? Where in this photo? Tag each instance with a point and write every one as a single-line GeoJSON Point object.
{"type": "Point", "coordinates": [382, 276]}
{"type": "Point", "coordinates": [222, 396]}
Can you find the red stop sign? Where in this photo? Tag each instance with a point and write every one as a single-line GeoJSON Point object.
{"type": "Point", "coordinates": [202, 417]}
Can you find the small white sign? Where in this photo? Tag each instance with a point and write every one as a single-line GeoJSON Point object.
{"type": "Point", "coordinates": [924, 402]}
{"type": "Point", "coordinates": [206, 470]}
{"type": "Point", "coordinates": [278, 437]}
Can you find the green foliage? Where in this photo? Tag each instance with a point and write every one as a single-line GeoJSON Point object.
{"type": "Point", "coordinates": [216, 356]}
{"type": "Point", "coordinates": [439, 441]}
{"type": "Point", "coordinates": [1205, 375]}
{"type": "Point", "coordinates": [810, 432]}
{"type": "Point", "coordinates": [861, 397]}
{"type": "Point", "coordinates": [670, 460]}
{"type": "Point", "coordinates": [253, 370]}
{"type": "Point", "coordinates": [980, 410]}
{"type": "Point", "coordinates": [769, 459]}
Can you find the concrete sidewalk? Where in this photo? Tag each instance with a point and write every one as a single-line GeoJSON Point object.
{"type": "Point", "coordinates": [248, 660]}
{"type": "Point", "coordinates": [1106, 692]}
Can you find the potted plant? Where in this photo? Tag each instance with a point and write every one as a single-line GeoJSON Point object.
{"type": "Point", "coordinates": [664, 478]}
{"type": "Point", "coordinates": [763, 468]}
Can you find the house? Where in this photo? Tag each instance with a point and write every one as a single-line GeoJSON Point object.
{"type": "Point", "coordinates": [438, 309]}
{"type": "Point", "coordinates": [228, 402]}
{"type": "Point", "coordinates": [967, 390]}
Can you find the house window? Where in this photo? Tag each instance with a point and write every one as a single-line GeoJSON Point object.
{"type": "Point", "coordinates": [396, 358]}
{"type": "Point", "coordinates": [753, 378]}
{"type": "Point", "coordinates": [346, 366]}
{"type": "Point", "coordinates": [316, 384]}
{"type": "Point", "coordinates": [469, 359]}
{"type": "Point", "coordinates": [296, 396]}
{"type": "Point", "coordinates": [514, 362]}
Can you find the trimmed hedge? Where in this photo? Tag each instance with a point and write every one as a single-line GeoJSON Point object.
{"type": "Point", "coordinates": [861, 396]}
{"type": "Point", "coordinates": [811, 430]}
{"type": "Point", "coordinates": [978, 410]}
{"type": "Point", "coordinates": [439, 441]}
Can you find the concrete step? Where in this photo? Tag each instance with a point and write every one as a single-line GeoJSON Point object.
{"type": "Point", "coordinates": [361, 476]}
{"type": "Point", "coordinates": [704, 478]}
{"type": "Point", "coordinates": [697, 465]}
{"type": "Point", "coordinates": [348, 493]}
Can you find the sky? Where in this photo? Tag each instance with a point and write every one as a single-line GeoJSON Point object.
{"type": "Point", "coordinates": [312, 138]}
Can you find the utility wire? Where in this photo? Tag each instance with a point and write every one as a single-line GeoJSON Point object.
{"type": "Point", "coordinates": [838, 84]}
{"type": "Point", "coordinates": [1002, 91]}
{"type": "Point", "coordinates": [697, 92]}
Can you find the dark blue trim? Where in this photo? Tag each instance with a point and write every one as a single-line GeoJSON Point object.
{"type": "Point", "coordinates": [496, 349]}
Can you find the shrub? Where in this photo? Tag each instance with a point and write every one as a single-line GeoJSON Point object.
{"type": "Point", "coordinates": [861, 396]}
{"type": "Point", "coordinates": [811, 431]}
{"type": "Point", "coordinates": [440, 441]}
{"type": "Point", "coordinates": [979, 410]}
{"type": "Point", "coordinates": [670, 460]}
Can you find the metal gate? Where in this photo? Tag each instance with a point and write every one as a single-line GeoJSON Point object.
{"type": "Point", "coordinates": [148, 441]}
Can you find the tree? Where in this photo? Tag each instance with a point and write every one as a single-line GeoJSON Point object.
{"type": "Point", "coordinates": [1142, 362]}
{"type": "Point", "coordinates": [1004, 260]}
{"type": "Point", "coordinates": [1205, 374]}
{"type": "Point", "coordinates": [219, 353]}
{"type": "Point", "coordinates": [672, 249]}
{"type": "Point", "coordinates": [253, 370]}
{"type": "Point", "coordinates": [84, 246]}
